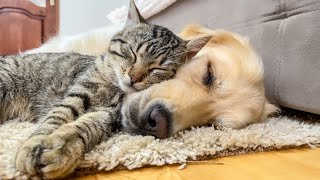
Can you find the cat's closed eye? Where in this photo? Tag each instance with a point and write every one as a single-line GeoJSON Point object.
{"type": "Point", "coordinates": [129, 54]}
{"type": "Point", "coordinates": [122, 50]}
{"type": "Point", "coordinates": [163, 60]}
{"type": "Point", "coordinates": [117, 53]}
{"type": "Point", "coordinates": [156, 69]}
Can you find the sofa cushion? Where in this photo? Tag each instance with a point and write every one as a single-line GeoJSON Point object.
{"type": "Point", "coordinates": [285, 33]}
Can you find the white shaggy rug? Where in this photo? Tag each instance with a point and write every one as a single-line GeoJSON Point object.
{"type": "Point", "coordinates": [125, 151]}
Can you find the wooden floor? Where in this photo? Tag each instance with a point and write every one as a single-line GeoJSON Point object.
{"type": "Point", "coordinates": [290, 164]}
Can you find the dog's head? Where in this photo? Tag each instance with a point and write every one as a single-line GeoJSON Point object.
{"type": "Point", "coordinates": [223, 85]}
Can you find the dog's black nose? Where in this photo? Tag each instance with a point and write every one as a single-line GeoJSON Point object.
{"type": "Point", "coordinates": [158, 122]}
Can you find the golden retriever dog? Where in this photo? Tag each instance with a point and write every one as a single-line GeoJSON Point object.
{"type": "Point", "coordinates": [221, 85]}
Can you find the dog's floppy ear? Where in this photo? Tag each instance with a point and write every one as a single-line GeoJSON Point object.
{"type": "Point", "coordinates": [134, 16]}
{"type": "Point", "coordinates": [195, 45]}
{"type": "Point", "coordinates": [191, 31]}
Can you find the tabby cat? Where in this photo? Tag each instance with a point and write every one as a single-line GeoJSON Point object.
{"type": "Point", "coordinates": [75, 99]}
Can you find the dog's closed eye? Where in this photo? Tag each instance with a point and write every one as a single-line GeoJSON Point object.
{"type": "Point", "coordinates": [208, 77]}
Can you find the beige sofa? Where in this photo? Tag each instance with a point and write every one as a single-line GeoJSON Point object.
{"type": "Point", "coordinates": [286, 33]}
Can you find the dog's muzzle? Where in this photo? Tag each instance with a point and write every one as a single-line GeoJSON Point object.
{"type": "Point", "coordinates": [154, 120]}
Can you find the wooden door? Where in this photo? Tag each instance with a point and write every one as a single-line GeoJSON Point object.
{"type": "Point", "coordinates": [24, 25]}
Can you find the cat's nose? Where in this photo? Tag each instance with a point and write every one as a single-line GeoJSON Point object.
{"type": "Point", "coordinates": [133, 79]}
{"type": "Point", "coordinates": [158, 122]}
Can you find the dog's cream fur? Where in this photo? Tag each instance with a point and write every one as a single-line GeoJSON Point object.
{"type": "Point", "coordinates": [237, 97]}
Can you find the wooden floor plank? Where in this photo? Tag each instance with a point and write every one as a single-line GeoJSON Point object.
{"type": "Point", "coordinates": [293, 164]}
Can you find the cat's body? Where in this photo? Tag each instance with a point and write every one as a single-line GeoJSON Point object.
{"type": "Point", "coordinates": [75, 99]}
{"type": "Point", "coordinates": [34, 84]}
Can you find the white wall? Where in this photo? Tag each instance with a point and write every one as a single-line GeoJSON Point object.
{"type": "Point", "coordinates": [77, 16]}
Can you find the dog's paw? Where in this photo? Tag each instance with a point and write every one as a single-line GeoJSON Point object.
{"type": "Point", "coordinates": [49, 156]}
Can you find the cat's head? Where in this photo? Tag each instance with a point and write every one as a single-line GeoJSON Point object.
{"type": "Point", "coordinates": [143, 54]}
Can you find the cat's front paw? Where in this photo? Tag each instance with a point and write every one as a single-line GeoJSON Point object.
{"type": "Point", "coordinates": [49, 156]}
{"type": "Point", "coordinates": [26, 155]}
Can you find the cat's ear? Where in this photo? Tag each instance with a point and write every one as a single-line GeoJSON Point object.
{"type": "Point", "coordinates": [195, 45]}
{"type": "Point", "coordinates": [134, 16]}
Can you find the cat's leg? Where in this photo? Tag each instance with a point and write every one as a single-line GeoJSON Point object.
{"type": "Point", "coordinates": [74, 105]}
{"type": "Point", "coordinates": [71, 107]}
{"type": "Point", "coordinates": [59, 153]}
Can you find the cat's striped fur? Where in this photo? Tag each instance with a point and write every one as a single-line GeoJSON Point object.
{"type": "Point", "coordinates": [75, 99]}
